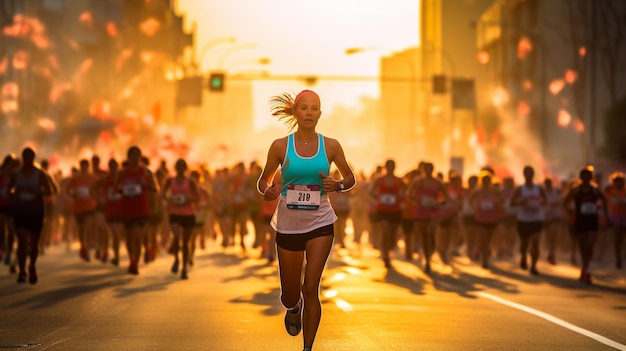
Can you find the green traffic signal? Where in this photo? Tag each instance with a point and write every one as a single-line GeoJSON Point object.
{"type": "Point", "coordinates": [216, 82]}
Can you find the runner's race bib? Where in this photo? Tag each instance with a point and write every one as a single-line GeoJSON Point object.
{"type": "Point", "coordinates": [303, 197]}
{"type": "Point", "coordinates": [131, 190]}
{"type": "Point", "coordinates": [588, 208]}
{"type": "Point", "coordinates": [486, 205]}
{"type": "Point", "coordinates": [179, 199]}
{"type": "Point", "coordinates": [82, 192]}
{"type": "Point", "coordinates": [388, 199]}
{"type": "Point", "coordinates": [533, 204]}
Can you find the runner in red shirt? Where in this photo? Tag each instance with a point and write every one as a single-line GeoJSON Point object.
{"type": "Point", "coordinates": [449, 228]}
{"type": "Point", "coordinates": [81, 189]}
{"type": "Point", "coordinates": [428, 192]}
{"type": "Point", "coordinates": [182, 195]}
{"type": "Point", "coordinates": [113, 210]}
{"type": "Point", "coordinates": [134, 182]}
{"type": "Point", "coordinates": [388, 192]}
{"type": "Point", "coordinates": [489, 210]}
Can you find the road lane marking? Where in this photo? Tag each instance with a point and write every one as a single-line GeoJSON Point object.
{"type": "Point", "coordinates": [555, 320]}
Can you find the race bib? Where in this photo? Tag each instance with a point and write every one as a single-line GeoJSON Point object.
{"type": "Point", "coordinates": [388, 199]}
{"type": "Point", "coordinates": [113, 195]}
{"type": "Point", "coordinates": [533, 204]}
{"type": "Point", "coordinates": [131, 190]}
{"type": "Point", "coordinates": [303, 197]}
{"type": "Point", "coordinates": [179, 199]}
{"type": "Point", "coordinates": [486, 205]}
{"type": "Point", "coordinates": [588, 208]}
{"type": "Point", "coordinates": [82, 192]}
{"type": "Point", "coordinates": [428, 202]}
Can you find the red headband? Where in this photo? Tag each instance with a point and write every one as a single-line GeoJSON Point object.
{"type": "Point", "coordinates": [302, 93]}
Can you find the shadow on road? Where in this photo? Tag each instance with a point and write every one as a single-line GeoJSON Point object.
{"type": "Point", "coordinates": [53, 297]}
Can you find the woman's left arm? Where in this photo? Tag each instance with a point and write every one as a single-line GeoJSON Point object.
{"type": "Point", "coordinates": [337, 156]}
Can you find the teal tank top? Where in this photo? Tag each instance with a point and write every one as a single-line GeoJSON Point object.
{"type": "Point", "coordinates": [304, 170]}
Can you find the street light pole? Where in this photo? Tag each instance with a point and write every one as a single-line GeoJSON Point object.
{"type": "Point", "coordinates": [210, 44]}
{"type": "Point", "coordinates": [234, 49]}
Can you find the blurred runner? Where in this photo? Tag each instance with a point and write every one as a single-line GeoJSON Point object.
{"type": "Point", "coordinates": [529, 198]}
{"type": "Point", "coordinates": [182, 195]}
{"type": "Point", "coordinates": [388, 192]}
{"type": "Point", "coordinates": [113, 209]}
{"type": "Point", "coordinates": [7, 229]}
{"type": "Point", "coordinates": [28, 185]}
{"type": "Point", "coordinates": [82, 190]}
{"type": "Point", "coordinates": [585, 197]}
{"type": "Point", "coordinates": [449, 228]}
{"type": "Point", "coordinates": [428, 193]}
{"type": "Point", "coordinates": [616, 196]}
{"type": "Point", "coordinates": [489, 209]}
{"type": "Point", "coordinates": [135, 182]}
{"type": "Point", "coordinates": [553, 218]}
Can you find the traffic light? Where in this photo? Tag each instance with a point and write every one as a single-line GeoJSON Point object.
{"type": "Point", "coordinates": [216, 82]}
{"type": "Point", "coordinates": [439, 84]}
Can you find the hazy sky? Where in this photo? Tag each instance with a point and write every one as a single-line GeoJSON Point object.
{"type": "Point", "coordinates": [305, 37]}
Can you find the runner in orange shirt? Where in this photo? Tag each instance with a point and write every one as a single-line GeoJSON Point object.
{"type": "Point", "coordinates": [81, 188]}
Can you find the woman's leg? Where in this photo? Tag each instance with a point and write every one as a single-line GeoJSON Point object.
{"type": "Point", "coordinates": [619, 241]}
{"type": "Point", "coordinates": [177, 233]}
{"type": "Point", "coordinates": [290, 271]}
{"type": "Point", "coordinates": [22, 251]}
{"type": "Point", "coordinates": [317, 251]}
{"type": "Point", "coordinates": [186, 232]}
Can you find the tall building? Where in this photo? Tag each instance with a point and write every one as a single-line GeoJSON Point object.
{"type": "Point", "coordinates": [448, 50]}
{"type": "Point", "coordinates": [400, 123]}
{"type": "Point", "coordinates": [550, 66]}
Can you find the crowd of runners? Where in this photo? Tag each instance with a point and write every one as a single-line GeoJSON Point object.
{"type": "Point", "coordinates": [135, 211]}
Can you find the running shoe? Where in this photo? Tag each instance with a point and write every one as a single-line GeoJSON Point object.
{"type": "Point", "coordinates": [551, 260]}
{"type": "Point", "coordinates": [32, 275]}
{"type": "Point", "coordinates": [534, 271]}
{"type": "Point", "coordinates": [146, 256]}
{"type": "Point", "coordinates": [133, 268]}
{"type": "Point", "coordinates": [587, 279]}
{"type": "Point", "coordinates": [175, 267]}
{"type": "Point", "coordinates": [115, 261]}
{"type": "Point", "coordinates": [427, 268]}
{"type": "Point", "coordinates": [13, 268]}
{"type": "Point", "coordinates": [523, 263]}
{"type": "Point", "coordinates": [387, 262]}
{"type": "Point", "coordinates": [293, 321]}
{"type": "Point", "coordinates": [21, 278]}
{"type": "Point", "coordinates": [183, 275]}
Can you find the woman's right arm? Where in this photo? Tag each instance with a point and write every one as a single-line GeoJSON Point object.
{"type": "Point", "coordinates": [274, 159]}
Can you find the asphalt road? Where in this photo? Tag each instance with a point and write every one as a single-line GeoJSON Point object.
{"type": "Point", "coordinates": [231, 302]}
